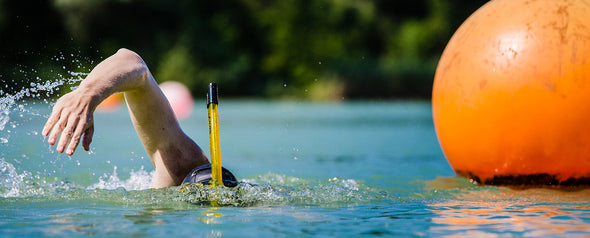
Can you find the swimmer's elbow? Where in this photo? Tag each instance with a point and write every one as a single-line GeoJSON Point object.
{"type": "Point", "coordinates": [125, 51]}
{"type": "Point", "coordinates": [134, 62]}
{"type": "Point", "coordinates": [130, 55]}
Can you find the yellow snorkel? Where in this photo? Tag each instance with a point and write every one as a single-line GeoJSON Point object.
{"type": "Point", "coordinates": [206, 182]}
{"type": "Point", "coordinates": [212, 102]}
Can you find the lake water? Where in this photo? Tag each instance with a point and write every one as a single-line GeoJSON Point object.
{"type": "Point", "coordinates": [351, 169]}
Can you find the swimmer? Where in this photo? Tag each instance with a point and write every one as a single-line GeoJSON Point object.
{"type": "Point", "coordinates": [175, 156]}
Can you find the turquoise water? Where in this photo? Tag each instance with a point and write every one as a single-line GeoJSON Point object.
{"type": "Point", "coordinates": [352, 169]}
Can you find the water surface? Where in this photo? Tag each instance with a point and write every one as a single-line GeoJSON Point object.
{"type": "Point", "coordinates": [351, 169]}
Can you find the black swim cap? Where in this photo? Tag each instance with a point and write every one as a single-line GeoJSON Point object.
{"type": "Point", "coordinates": [202, 174]}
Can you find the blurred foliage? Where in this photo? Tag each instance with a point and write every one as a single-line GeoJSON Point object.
{"type": "Point", "coordinates": [314, 49]}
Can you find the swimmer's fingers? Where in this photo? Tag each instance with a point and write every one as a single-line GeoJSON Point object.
{"type": "Point", "coordinates": [58, 127]}
{"type": "Point", "coordinates": [88, 138]}
{"type": "Point", "coordinates": [53, 118]}
{"type": "Point", "coordinates": [76, 136]}
{"type": "Point", "coordinates": [56, 122]}
{"type": "Point", "coordinates": [68, 132]}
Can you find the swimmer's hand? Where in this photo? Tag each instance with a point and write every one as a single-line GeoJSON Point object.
{"type": "Point", "coordinates": [72, 118]}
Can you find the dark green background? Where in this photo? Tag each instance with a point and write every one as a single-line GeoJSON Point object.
{"type": "Point", "coordinates": [307, 49]}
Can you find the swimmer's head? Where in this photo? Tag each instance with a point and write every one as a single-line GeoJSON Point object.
{"type": "Point", "coordinates": [202, 174]}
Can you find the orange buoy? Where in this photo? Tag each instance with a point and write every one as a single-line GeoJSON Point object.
{"type": "Point", "coordinates": [511, 94]}
{"type": "Point", "coordinates": [111, 104]}
{"type": "Point", "coordinates": [179, 97]}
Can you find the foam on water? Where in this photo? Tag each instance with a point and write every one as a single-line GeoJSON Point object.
{"type": "Point", "coordinates": [264, 189]}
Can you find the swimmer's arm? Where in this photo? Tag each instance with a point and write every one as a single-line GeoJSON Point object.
{"type": "Point", "coordinates": [173, 154]}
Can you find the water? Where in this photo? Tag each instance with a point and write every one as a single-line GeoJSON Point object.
{"type": "Point", "coordinates": [351, 169]}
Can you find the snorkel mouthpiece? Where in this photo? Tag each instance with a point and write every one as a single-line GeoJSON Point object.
{"type": "Point", "coordinates": [212, 94]}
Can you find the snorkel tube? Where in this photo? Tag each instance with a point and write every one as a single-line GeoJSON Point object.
{"type": "Point", "coordinates": [212, 102]}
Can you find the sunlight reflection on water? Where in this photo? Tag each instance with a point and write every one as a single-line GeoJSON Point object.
{"type": "Point", "coordinates": [530, 212]}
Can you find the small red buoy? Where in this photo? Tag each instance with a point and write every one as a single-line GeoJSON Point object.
{"type": "Point", "coordinates": [511, 94]}
{"type": "Point", "coordinates": [179, 97]}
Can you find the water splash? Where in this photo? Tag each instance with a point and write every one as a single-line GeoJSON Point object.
{"type": "Point", "coordinates": [295, 191]}
{"type": "Point", "coordinates": [139, 180]}
{"type": "Point", "coordinates": [263, 189]}
{"type": "Point", "coordinates": [272, 189]}
{"type": "Point", "coordinates": [26, 185]}
{"type": "Point", "coordinates": [17, 102]}
{"type": "Point", "coordinates": [10, 180]}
